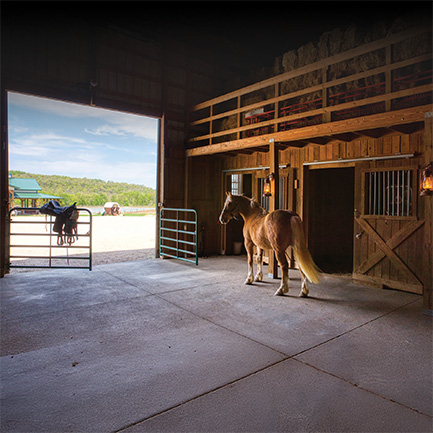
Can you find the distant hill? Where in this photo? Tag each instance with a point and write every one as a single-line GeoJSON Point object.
{"type": "Point", "coordinates": [92, 192]}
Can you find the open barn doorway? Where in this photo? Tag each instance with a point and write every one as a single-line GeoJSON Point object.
{"type": "Point", "coordinates": [101, 159]}
{"type": "Point", "coordinates": [330, 218]}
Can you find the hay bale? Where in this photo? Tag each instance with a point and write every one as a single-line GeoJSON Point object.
{"type": "Point", "coordinates": [332, 43]}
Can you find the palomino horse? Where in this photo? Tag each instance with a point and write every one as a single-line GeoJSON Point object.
{"type": "Point", "coordinates": [277, 230]}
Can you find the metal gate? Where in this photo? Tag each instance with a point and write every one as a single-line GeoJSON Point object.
{"type": "Point", "coordinates": [178, 234]}
{"type": "Point", "coordinates": [45, 252]}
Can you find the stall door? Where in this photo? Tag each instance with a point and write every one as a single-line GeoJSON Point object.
{"type": "Point", "coordinates": [388, 231]}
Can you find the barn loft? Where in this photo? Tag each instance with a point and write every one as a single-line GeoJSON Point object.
{"type": "Point", "coordinates": [328, 106]}
{"type": "Point", "coordinates": [339, 111]}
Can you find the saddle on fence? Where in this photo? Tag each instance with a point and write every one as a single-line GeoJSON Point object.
{"type": "Point", "coordinates": [65, 223]}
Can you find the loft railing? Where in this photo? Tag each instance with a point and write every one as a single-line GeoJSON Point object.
{"type": "Point", "coordinates": [392, 85]}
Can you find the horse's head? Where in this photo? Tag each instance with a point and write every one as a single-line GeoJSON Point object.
{"type": "Point", "coordinates": [230, 209]}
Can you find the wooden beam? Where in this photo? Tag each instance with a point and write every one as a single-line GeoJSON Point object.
{"type": "Point", "coordinates": [355, 125]}
{"type": "Point", "coordinates": [427, 201]}
{"type": "Point", "coordinates": [274, 167]}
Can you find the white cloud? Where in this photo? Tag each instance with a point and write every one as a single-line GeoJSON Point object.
{"type": "Point", "coordinates": [105, 130]}
{"type": "Point", "coordinates": [123, 123]}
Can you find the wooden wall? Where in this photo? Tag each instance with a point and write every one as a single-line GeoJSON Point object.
{"type": "Point", "coordinates": [402, 265]}
{"type": "Point", "coordinates": [82, 59]}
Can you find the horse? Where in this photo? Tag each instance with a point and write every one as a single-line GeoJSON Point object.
{"type": "Point", "coordinates": [276, 230]}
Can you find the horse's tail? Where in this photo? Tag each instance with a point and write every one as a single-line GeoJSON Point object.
{"type": "Point", "coordinates": [302, 255]}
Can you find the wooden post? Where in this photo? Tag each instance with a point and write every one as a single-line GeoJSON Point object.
{"type": "Point", "coordinates": [238, 134]}
{"type": "Point", "coordinates": [4, 185]}
{"type": "Point", "coordinates": [428, 226]}
{"type": "Point", "coordinates": [274, 166]}
{"type": "Point", "coordinates": [326, 117]}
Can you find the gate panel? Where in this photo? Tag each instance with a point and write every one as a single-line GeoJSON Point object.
{"type": "Point", "coordinates": [36, 240]}
{"type": "Point", "coordinates": [178, 234]}
{"type": "Point", "coordinates": [388, 233]}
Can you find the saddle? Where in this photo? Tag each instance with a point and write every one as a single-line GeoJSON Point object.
{"type": "Point", "coordinates": [65, 223]}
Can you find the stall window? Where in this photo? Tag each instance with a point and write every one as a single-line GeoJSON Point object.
{"type": "Point", "coordinates": [390, 192]}
{"type": "Point", "coordinates": [235, 182]}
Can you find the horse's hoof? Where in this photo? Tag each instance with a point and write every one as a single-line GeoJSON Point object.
{"type": "Point", "coordinates": [248, 281]}
{"type": "Point", "coordinates": [258, 278]}
{"type": "Point", "coordinates": [303, 295]}
{"type": "Point", "coordinates": [279, 292]}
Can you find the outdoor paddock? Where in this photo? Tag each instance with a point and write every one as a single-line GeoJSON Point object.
{"type": "Point", "coordinates": [162, 345]}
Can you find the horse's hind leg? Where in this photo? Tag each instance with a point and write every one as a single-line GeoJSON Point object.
{"type": "Point", "coordinates": [304, 288]}
{"type": "Point", "coordinates": [249, 246]}
{"type": "Point", "coordinates": [259, 275]}
{"type": "Point", "coordinates": [284, 265]}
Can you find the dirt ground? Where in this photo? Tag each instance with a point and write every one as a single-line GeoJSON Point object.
{"type": "Point", "coordinates": [114, 239]}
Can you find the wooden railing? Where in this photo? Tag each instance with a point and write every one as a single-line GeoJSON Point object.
{"type": "Point", "coordinates": [390, 86]}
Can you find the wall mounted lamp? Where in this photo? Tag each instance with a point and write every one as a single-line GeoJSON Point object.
{"type": "Point", "coordinates": [267, 186]}
{"type": "Point", "coordinates": [426, 180]}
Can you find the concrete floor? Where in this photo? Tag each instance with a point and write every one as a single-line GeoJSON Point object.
{"type": "Point", "coordinates": [162, 345]}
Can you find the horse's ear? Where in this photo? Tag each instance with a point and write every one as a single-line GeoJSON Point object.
{"type": "Point", "coordinates": [229, 194]}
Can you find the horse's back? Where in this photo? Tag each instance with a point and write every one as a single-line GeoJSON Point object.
{"type": "Point", "coordinates": [279, 228]}
{"type": "Point", "coordinates": [281, 216]}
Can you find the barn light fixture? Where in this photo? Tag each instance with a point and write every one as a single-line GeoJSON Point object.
{"type": "Point", "coordinates": [426, 180]}
{"type": "Point", "coordinates": [267, 186]}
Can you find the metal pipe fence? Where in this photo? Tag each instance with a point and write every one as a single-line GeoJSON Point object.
{"type": "Point", "coordinates": [178, 234]}
{"type": "Point", "coordinates": [44, 252]}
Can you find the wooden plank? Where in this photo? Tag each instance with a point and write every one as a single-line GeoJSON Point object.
{"type": "Point", "coordinates": [407, 287]}
{"type": "Point", "coordinates": [274, 167]}
{"type": "Point", "coordinates": [392, 243]}
{"type": "Point", "coordinates": [380, 120]}
{"type": "Point", "coordinates": [385, 248]}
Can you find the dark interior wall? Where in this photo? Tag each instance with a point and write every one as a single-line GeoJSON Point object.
{"type": "Point", "coordinates": [331, 218]}
{"type": "Point", "coordinates": [77, 53]}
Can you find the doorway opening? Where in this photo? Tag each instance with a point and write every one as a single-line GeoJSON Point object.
{"type": "Point", "coordinates": [97, 157]}
{"type": "Point", "coordinates": [330, 218]}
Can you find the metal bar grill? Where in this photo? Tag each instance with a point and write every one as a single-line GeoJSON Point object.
{"type": "Point", "coordinates": [178, 230]}
{"type": "Point", "coordinates": [33, 229]}
{"type": "Point", "coordinates": [389, 193]}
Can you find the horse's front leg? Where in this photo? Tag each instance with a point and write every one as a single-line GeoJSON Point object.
{"type": "Point", "coordinates": [249, 246]}
{"type": "Point", "coordinates": [284, 265]}
{"type": "Point", "coordinates": [259, 275]}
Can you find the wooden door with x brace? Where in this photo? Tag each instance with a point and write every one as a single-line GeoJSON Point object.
{"type": "Point", "coordinates": [388, 243]}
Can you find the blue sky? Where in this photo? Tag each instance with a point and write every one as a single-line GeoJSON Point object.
{"type": "Point", "coordinates": [54, 137]}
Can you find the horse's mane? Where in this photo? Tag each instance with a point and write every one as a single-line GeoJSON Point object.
{"type": "Point", "coordinates": [257, 206]}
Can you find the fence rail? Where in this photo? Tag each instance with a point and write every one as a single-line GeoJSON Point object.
{"type": "Point", "coordinates": [178, 234]}
{"type": "Point", "coordinates": [388, 83]}
{"type": "Point", "coordinates": [44, 249]}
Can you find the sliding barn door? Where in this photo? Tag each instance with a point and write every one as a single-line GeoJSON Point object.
{"type": "Point", "coordinates": [388, 235]}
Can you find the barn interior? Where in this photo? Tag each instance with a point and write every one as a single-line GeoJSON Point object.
{"type": "Point", "coordinates": [231, 85]}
